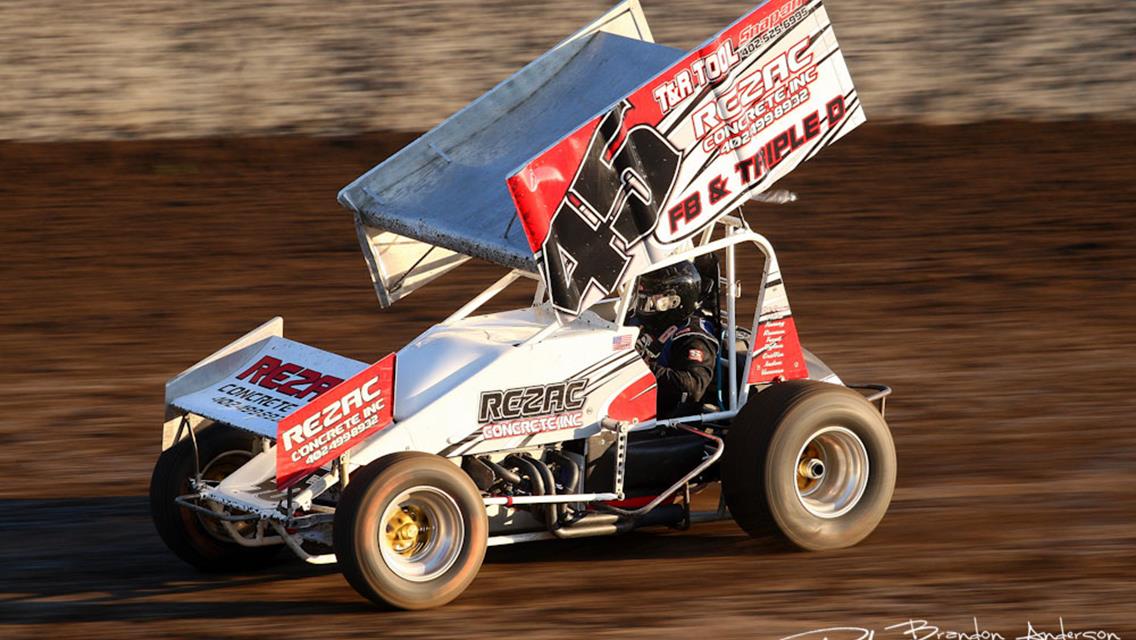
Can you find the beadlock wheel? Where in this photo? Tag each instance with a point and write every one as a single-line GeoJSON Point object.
{"type": "Point", "coordinates": [410, 531]}
{"type": "Point", "coordinates": [809, 462]}
{"type": "Point", "coordinates": [422, 533]}
{"type": "Point", "coordinates": [832, 472]}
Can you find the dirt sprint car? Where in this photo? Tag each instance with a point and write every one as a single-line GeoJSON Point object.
{"type": "Point", "coordinates": [607, 158]}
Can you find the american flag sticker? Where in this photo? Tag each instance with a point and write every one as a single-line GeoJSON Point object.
{"type": "Point", "coordinates": [621, 342]}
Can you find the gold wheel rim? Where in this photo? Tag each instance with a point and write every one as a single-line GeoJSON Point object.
{"type": "Point", "coordinates": [805, 484]}
{"type": "Point", "coordinates": [421, 533]}
{"type": "Point", "coordinates": [407, 531]}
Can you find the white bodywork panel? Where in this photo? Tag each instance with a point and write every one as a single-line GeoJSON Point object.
{"type": "Point", "coordinates": [437, 361]}
{"type": "Point", "coordinates": [439, 379]}
{"type": "Point", "coordinates": [441, 375]}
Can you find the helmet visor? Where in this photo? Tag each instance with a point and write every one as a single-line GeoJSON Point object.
{"type": "Point", "coordinates": [649, 304]}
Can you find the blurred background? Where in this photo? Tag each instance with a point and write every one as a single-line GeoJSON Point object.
{"type": "Point", "coordinates": [165, 68]}
{"type": "Point", "coordinates": [168, 173]}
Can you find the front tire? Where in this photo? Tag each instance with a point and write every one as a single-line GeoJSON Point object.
{"type": "Point", "coordinates": [196, 538]}
{"type": "Point", "coordinates": [811, 462]}
{"type": "Point", "coordinates": [410, 531]}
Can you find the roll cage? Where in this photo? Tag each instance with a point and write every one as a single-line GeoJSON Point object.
{"type": "Point", "coordinates": [733, 231]}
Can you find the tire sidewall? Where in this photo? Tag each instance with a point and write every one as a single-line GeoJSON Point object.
{"type": "Point", "coordinates": [379, 581]}
{"type": "Point", "coordinates": [180, 528]}
{"type": "Point", "coordinates": [802, 419]}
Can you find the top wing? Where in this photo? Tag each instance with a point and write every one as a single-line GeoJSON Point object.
{"type": "Point", "coordinates": [719, 125]}
{"type": "Point", "coordinates": [443, 198]}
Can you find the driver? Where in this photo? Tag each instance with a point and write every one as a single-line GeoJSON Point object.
{"type": "Point", "coordinates": [676, 341]}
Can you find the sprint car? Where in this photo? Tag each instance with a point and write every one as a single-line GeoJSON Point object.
{"type": "Point", "coordinates": [606, 158]}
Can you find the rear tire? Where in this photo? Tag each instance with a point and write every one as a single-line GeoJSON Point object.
{"type": "Point", "coordinates": [195, 538]}
{"type": "Point", "coordinates": [410, 531]}
{"type": "Point", "coordinates": [811, 462]}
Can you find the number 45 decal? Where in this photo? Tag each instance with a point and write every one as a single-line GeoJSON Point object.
{"type": "Point", "coordinates": [610, 207]}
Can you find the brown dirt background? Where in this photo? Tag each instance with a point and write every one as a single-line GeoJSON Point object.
{"type": "Point", "coordinates": [984, 271]}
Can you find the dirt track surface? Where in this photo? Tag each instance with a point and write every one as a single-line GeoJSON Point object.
{"type": "Point", "coordinates": [985, 272]}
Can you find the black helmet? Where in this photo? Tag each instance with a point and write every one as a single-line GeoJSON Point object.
{"type": "Point", "coordinates": [669, 295]}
